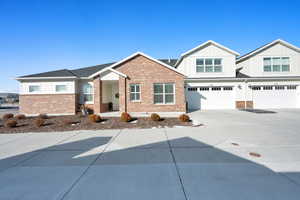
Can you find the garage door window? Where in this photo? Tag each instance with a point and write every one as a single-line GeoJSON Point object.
{"type": "Point", "coordinates": [292, 87]}
{"type": "Point", "coordinates": [256, 88]}
{"type": "Point", "coordinates": [216, 88]}
{"type": "Point", "coordinates": [227, 88]}
{"type": "Point", "coordinates": [279, 87]}
{"type": "Point", "coordinates": [192, 89]}
{"type": "Point", "coordinates": [268, 87]}
{"type": "Point", "coordinates": [204, 88]}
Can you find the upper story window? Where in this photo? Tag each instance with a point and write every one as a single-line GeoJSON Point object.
{"type": "Point", "coordinates": [34, 88]}
{"type": "Point", "coordinates": [209, 65]}
{"type": "Point", "coordinates": [164, 93]}
{"type": "Point", "coordinates": [88, 93]}
{"type": "Point", "coordinates": [60, 88]}
{"type": "Point", "coordinates": [135, 92]}
{"type": "Point", "coordinates": [276, 64]}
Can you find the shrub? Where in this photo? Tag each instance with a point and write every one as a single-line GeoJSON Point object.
{"type": "Point", "coordinates": [39, 122]}
{"type": "Point", "coordinates": [155, 117]}
{"type": "Point", "coordinates": [95, 118]}
{"type": "Point", "coordinates": [125, 117]}
{"type": "Point", "coordinates": [184, 118]}
{"type": "Point", "coordinates": [10, 123]}
{"type": "Point", "coordinates": [8, 116]}
{"type": "Point", "coordinates": [43, 116]}
{"type": "Point", "coordinates": [20, 116]}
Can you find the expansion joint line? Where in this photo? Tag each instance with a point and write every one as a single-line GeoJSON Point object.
{"type": "Point", "coordinates": [176, 166]}
{"type": "Point", "coordinates": [89, 166]}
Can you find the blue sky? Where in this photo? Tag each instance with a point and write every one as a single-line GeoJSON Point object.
{"type": "Point", "coordinates": [38, 36]}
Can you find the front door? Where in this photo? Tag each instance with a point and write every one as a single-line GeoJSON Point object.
{"type": "Point", "coordinates": [115, 96]}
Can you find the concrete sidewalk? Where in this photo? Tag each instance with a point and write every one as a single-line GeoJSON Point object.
{"type": "Point", "coordinates": [171, 163]}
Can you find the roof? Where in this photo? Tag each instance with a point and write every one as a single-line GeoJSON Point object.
{"type": "Point", "coordinates": [266, 46]}
{"type": "Point", "coordinates": [209, 42]}
{"type": "Point", "coordinates": [82, 72]}
{"type": "Point", "coordinates": [57, 73]}
{"type": "Point", "coordinates": [131, 57]}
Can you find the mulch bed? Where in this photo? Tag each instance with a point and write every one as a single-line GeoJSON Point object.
{"type": "Point", "coordinates": [83, 123]}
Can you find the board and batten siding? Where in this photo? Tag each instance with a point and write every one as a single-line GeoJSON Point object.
{"type": "Point", "coordinates": [188, 64]}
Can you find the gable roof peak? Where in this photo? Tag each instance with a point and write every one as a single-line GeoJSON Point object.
{"type": "Point", "coordinates": [266, 46]}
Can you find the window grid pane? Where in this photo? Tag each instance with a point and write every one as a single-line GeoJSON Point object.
{"type": "Point", "coordinates": [209, 65]}
{"type": "Point", "coordinates": [164, 93]}
{"type": "Point", "coordinates": [135, 92]}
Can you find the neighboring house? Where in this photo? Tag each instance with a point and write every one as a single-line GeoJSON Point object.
{"type": "Point", "coordinates": [209, 76]}
{"type": "Point", "coordinates": [9, 97]}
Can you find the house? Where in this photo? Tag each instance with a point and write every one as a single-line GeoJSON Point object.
{"type": "Point", "coordinates": [209, 76]}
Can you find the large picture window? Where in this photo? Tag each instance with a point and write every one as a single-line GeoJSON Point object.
{"type": "Point", "coordinates": [164, 93]}
{"type": "Point", "coordinates": [135, 92]}
{"type": "Point", "coordinates": [88, 93]}
{"type": "Point", "coordinates": [277, 64]}
{"type": "Point", "coordinates": [209, 65]}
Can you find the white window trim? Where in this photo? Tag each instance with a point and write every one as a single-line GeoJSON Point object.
{"type": "Point", "coordinates": [34, 92]}
{"type": "Point", "coordinates": [92, 93]}
{"type": "Point", "coordinates": [272, 71]}
{"type": "Point", "coordinates": [213, 65]}
{"type": "Point", "coordinates": [140, 92]}
{"type": "Point", "coordinates": [66, 91]}
{"type": "Point", "coordinates": [164, 99]}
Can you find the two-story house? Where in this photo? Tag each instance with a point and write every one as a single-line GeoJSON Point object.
{"type": "Point", "coordinates": [209, 76]}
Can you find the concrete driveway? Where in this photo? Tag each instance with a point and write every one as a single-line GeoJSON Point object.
{"type": "Point", "coordinates": [180, 163]}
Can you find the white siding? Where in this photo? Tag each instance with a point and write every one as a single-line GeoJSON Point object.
{"type": "Point", "coordinates": [108, 75]}
{"type": "Point", "coordinates": [47, 87]}
{"type": "Point", "coordinates": [188, 64]}
{"type": "Point", "coordinates": [253, 66]}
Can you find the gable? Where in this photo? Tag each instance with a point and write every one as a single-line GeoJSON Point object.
{"type": "Point", "coordinates": [142, 67]}
{"type": "Point", "coordinates": [277, 47]}
{"type": "Point", "coordinates": [210, 50]}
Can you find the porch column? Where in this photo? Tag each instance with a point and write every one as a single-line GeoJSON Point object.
{"type": "Point", "coordinates": [122, 94]}
{"type": "Point", "coordinates": [97, 95]}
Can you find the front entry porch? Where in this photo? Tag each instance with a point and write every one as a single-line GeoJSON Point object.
{"type": "Point", "coordinates": [110, 95]}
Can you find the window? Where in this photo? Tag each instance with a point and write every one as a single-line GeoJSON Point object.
{"type": "Point", "coordinates": [216, 88]}
{"type": "Point", "coordinates": [192, 89]}
{"type": "Point", "coordinates": [204, 88]}
{"type": "Point", "coordinates": [88, 93]}
{"type": "Point", "coordinates": [268, 87]}
{"type": "Point", "coordinates": [256, 88]}
{"type": "Point", "coordinates": [277, 64]}
{"type": "Point", "coordinates": [209, 65]}
{"type": "Point", "coordinates": [279, 87]}
{"type": "Point", "coordinates": [227, 88]}
{"type": "Point", "coordinates": [164, 93]}
{"type": "Point", "coordinates": [34, 88]}
{"type": "Point", "coordinates": [292, 87]}
{"type": "Point", "coordinates": [60, 88]}
{"type": "Point", "coordinates": [135, 92]}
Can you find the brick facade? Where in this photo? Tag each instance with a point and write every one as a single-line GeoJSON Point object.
{"type": "Point", "coordinates": [48, 104]}
{"type": "Point", "coordinates": [98, 106]}
{"type": "Point", "coordinates": [146, 72]}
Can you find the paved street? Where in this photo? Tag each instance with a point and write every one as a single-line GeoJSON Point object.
{"type": "Point", "coordinates": [206, 162]}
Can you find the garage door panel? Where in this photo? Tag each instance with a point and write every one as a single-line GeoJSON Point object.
{"type": "Point", "coordinates": [275, 98]}
{"type": "Point", "coordinates": [211, 99]}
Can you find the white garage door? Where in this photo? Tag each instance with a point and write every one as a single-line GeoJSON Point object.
{"type": "Point", "coordinates": [279, 96]}
{"type": "Point", "coordinates": [211, 98]}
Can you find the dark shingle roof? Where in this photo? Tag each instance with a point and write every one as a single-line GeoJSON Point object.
{"type": "Point", "coordinates": [170, 62]}
{"type": "Point", "coordinates": [85, 71]}
{"type": "Point", "coordinates": [57, 73]}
